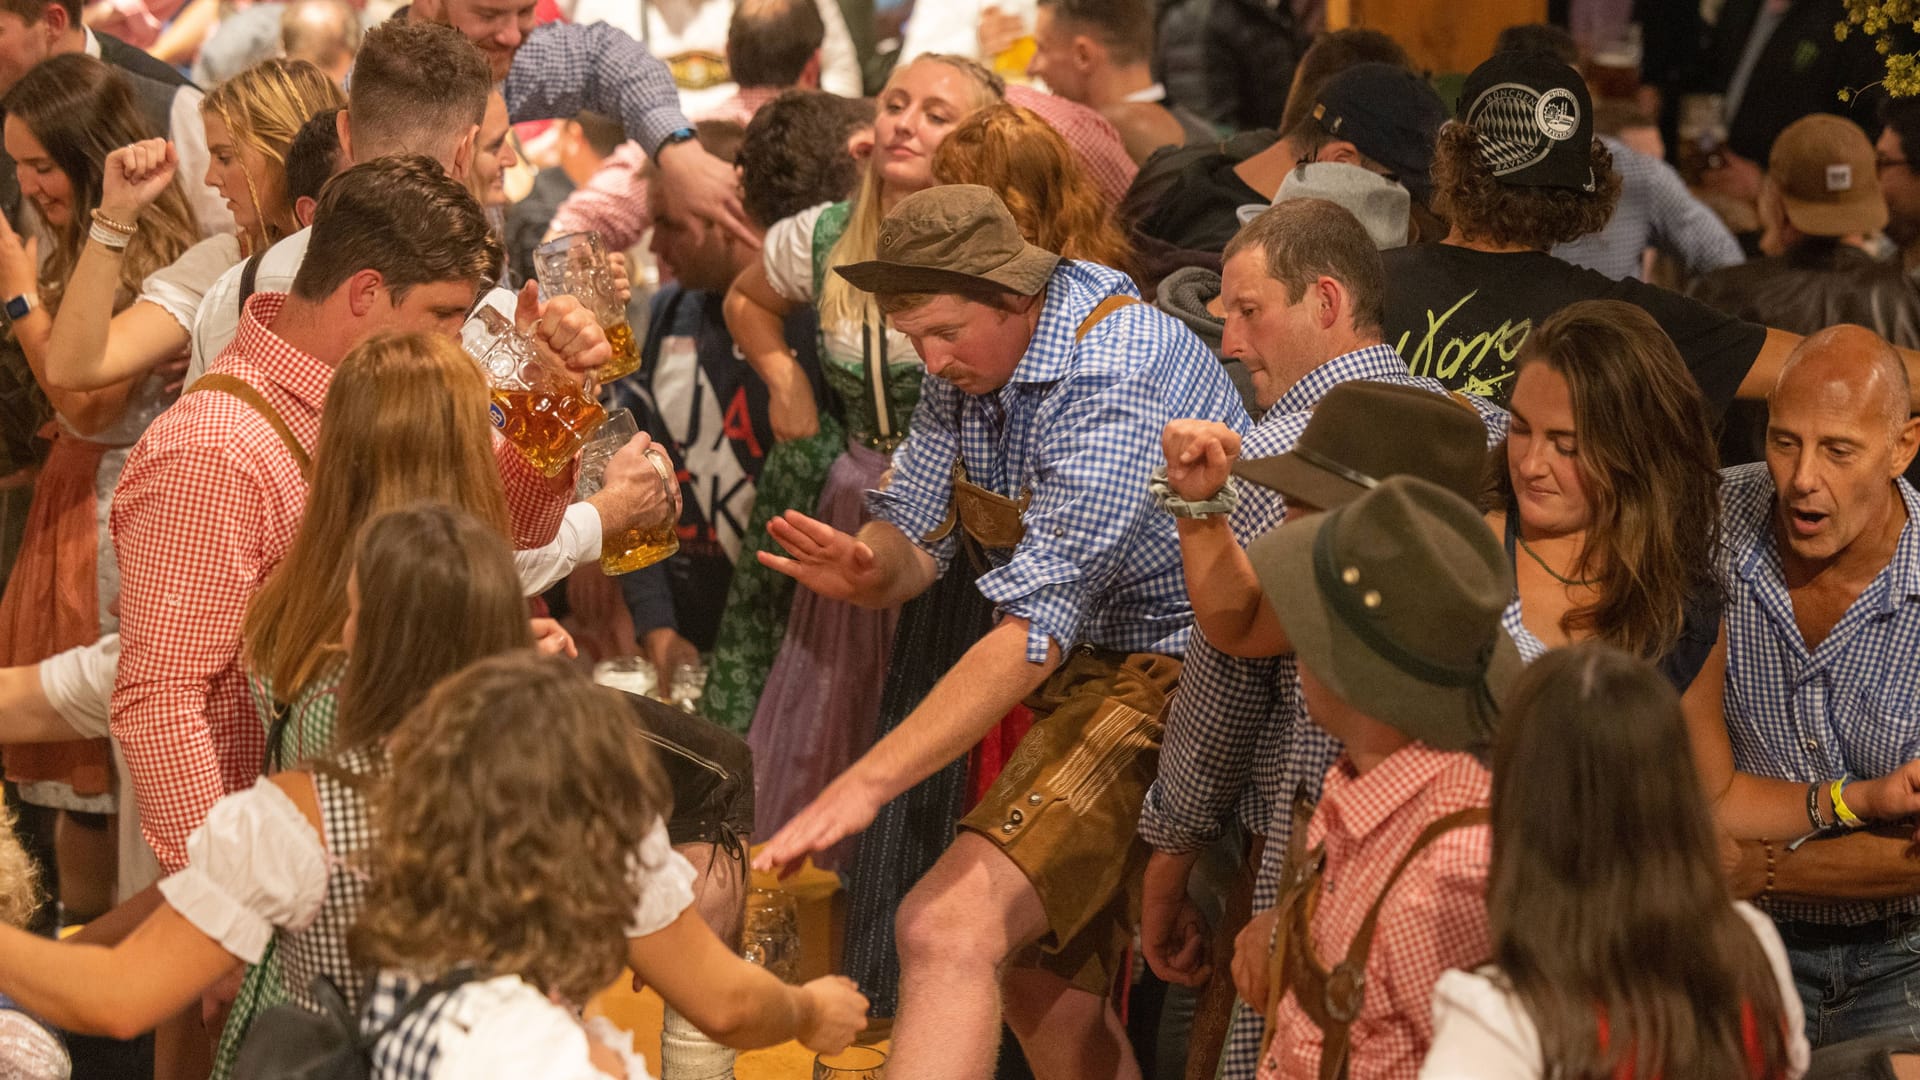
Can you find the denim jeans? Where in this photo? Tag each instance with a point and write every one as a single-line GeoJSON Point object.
{"type": "Point", "coordinates": [1857, 981]}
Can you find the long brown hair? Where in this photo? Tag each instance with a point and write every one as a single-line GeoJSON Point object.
{"type": "Point", "coordinates": [264, 107]}
{"type": "Point", "coordinates": [1648, 463]}
{"type": "Point", "coordinates": [81, 110]}
{"type": "Point", "coordinates": [1013, 151]}
{"type": "Point", "coordinates": [1604, 898]}
{"type": "Point", "coordinates": [438, 591]}
{"type": "Point", "coordinates": [521, 792]}
{"type": "Point", "coordinates": [405, 420]}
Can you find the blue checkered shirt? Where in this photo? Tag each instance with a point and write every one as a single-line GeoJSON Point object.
{"type": "Point", "coordinates": [564, 68]}
{"type": "Point", "coordinates": [1851, 706]}
{"type": "Point", "coordinates": [1655, 211]}
{"type": "Point", "coordinates": [1078, 425]}
{"type": "Point", "coordinates": [1231, 741]}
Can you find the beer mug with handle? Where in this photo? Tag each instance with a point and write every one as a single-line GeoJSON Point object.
{"type": "Point", "coordinates": [656, 535]}
{"type": "Point", "coordinates": [576, 265]}
{"type": "Point", "coordinates": [538, 407]}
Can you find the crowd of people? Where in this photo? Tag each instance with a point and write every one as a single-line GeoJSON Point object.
{"type": "Point", "coordinates": [1243, 564]}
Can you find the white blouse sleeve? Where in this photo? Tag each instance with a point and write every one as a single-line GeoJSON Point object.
{"type": "Point", "coordinates": [1479, 1033]}
{"type": "Point", "coordinates": [786, 254]}
{"type": "Point", "coordinates": [512, 1031]}
{"type": "Point", "coordinates": [178, 288]}
{"type": "Point", "coordinates": [577, 541]}
{"type": "Point", "coordinates": [665, 878]}
{"type": "Point", "coordinates": [78, 683]}
{"type": "Point", "coordinates": [1799, 1052]}
{"type": "Point", "coordinates": [256, 863]}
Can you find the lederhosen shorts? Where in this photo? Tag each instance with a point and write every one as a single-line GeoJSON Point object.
{"type": "Point", "coordinates": [710, 771]}
{"type": "Point", "coordinates": [1066, 807]}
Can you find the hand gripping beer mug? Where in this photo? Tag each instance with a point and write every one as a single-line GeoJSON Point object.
{"type": "Point", "coordinates": [539, 408]}
{"type": "Point", "coordinates": [576, 265]}
{"type": "Point", "coordinates": [655, 536]}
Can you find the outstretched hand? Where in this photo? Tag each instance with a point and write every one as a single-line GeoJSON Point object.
{"type": "Point", "coordinates": [706, 186]}
{"type": "Point", "coordinates": [824, 559]}
{"type": "Point", "coordinates": [1200, 456]}
{"type": "Point", "coordinates": [846, 807]}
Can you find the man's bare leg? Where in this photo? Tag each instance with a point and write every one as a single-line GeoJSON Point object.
{"type": "Point", "coordinates": [1065, 1031]}
{"type": "Point", "coordinates": [720, 896]}
{"type": "Point", "coordinates": [956, 931]}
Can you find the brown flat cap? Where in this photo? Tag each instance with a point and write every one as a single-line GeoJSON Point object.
{"type": "Point", "coordinates": [952, 238]}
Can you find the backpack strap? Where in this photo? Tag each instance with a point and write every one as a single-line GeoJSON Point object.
{"type": "Point", "coordinates": [1100, 311]}
{"type": "Point", "coordinates": [1346, 984]}
{"type": "Point", "coordinates": [252, 398]}
{"type": "Point", "coordinates": [247, 271]}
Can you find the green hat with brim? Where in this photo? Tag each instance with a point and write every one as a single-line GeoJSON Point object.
{"type": "Point", "coordinates": [954, 238]}
{"type": "Point", "coordinates": [1393, 601]}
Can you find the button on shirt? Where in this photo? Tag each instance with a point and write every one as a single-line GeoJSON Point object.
{"type": "Point", "coordinates": [207, 506]}
{"type": "Point", "coordinates": [1850, 706]}
{"type": "Point", "coordinates": [1079, 425]}
{"type": "Point", "coordinates": [1435, 918]}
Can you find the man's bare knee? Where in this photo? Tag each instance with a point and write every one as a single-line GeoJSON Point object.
{"type": "Point", "coordinates": [974, 908]}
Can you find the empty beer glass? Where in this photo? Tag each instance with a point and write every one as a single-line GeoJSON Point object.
{"type": "Point", "coordinates": [539, 408]}
{"type": "Point", "coordinates": [656, 535]}
{"type": "Point", "coordinates": [576, 265]}
{"type": "Point", "coordinates": [853, 1063]}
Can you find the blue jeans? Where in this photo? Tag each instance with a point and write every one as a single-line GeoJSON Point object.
{"type": "Point", "coordinates": [1857, 981]}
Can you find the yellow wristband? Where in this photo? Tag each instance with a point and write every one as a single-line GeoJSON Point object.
{"type": "Point", "coordinates": [1847, 817]}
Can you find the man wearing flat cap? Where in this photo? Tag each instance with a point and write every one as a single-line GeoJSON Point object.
{"type": "Point", "coordinates": [1031, 449]}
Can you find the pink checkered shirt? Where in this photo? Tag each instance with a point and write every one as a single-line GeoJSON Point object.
{"type": "Point", "coordinates": [207, 506]}
{"type": "Point", "coordinates": [1093, 138]}
{"type": "Point", "coordinates": [1435, 919]}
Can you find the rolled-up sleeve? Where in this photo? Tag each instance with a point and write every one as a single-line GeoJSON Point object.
{"type": "Point", "coordinates": [919, 494]}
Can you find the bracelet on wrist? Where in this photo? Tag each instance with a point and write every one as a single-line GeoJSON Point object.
{"type": "Point", "coordinates": [1767, 889]}
{"type": "Point", "coordinates": [1223, 501]}
{"type": "Point", "coordinates": [125, 228]}
{"type": "Point", "coordinates": [1820, 824]}
{"type": "Point", "coordinates": [1840, 808]}
{"type": "Point", "coordinates": [109, 239]}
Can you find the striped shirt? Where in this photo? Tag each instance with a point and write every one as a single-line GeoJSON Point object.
{"type": "Point", "coordinates": [1848, 707]}
{"type": "Point", "coordinates": [1079, 426]}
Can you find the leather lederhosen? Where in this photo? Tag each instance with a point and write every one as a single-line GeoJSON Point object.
{"type": "Point", "coordinates": [1331, 998]}
{"type": "Point", "coordinates": [988, 520]}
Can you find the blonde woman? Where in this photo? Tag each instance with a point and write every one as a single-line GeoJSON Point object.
{"type": "Point", "coordinates": [251, 120]}
{"type": "Point", "coordinates": [873, 373]}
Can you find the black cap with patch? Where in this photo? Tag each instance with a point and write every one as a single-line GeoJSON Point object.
{"type": "Point", "coordinates": [1534, 121]}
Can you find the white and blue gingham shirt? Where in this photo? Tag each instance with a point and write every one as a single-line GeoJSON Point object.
{"type": "Point", "coordinates": [1655, 211]}
{"type": "Point", "coordinates": [1232, 741]}
{"type": "Point", "coordinates": [563, 68]}
{"type": "Point", "coordinates": [1079, 425]}
{"type": "Point", "coordinates": [1850, 706]}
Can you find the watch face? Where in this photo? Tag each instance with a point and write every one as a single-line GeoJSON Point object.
{"type": "Point", "coordinates": [18, 307]}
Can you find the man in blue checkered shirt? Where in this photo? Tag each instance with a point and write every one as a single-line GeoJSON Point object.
{"type": "Point", "coordinates": [1030, 454]}
{"type": "Point", "coordinates": [1821, 562]}
{"type": "Point", "coordinates": [1302, 288]}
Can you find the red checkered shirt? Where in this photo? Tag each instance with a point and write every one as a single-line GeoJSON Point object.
{"type": "Point", "coordinates": [1435, 919]}
{"type": "Point", "coordinates": [1093, 137]}
{"type": "Point", "coordinates": [207, 506]}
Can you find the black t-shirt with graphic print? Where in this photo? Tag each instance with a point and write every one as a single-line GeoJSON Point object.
{"type": "Point", "coordinates": [1460, 316]}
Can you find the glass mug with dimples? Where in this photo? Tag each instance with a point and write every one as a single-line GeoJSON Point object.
{"type": "Point", "coordinates": [540, 409]}
{"type": "Point", "coordinates": [657, 534]}
{"type": "Point", "coordinates": [576, 265]}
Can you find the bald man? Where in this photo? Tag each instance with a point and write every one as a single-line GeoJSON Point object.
{"type": "Point", "coordinates": [1820, 557]}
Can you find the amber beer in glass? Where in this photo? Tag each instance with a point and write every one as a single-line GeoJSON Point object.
{"type": "Point", "coordinates": [540, 410]}
{"type": "Point", "coordinates": [576, 265]}
{"type": "Point", "coordinates": [653, 537]}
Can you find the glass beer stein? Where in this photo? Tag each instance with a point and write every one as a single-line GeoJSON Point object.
{"type": "Point", "coordinates": [540, 410]}
{"type": "Point", "coordinates": [576, 265]}
{"type": "Point", "coordinates": [655, 536]}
